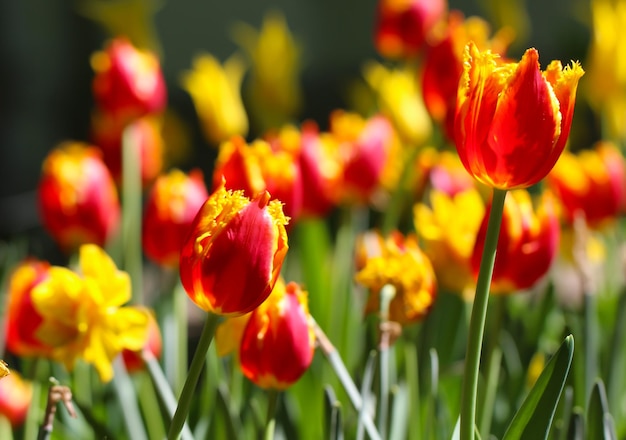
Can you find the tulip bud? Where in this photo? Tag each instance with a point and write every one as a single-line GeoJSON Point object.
{"type": "Point", "coordinates": [172, 204]}
{"type": "Point", "coordinates": [77, 197]}
{"type": "Point", "coordinates": [128, 82]}
{"type": "Point", "coordinates": [278, 342]}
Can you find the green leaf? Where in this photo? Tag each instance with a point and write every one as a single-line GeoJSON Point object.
{"type": "Point", "coordinates": [599, 422]}
{"type": "Point", "coordinates": [534, 418]}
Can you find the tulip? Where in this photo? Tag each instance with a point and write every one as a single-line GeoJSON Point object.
{"type": "Point", "coordinates": [78, 200]}
{"type": "Point", "coordinates": [363, 148]}
{"type": "Point", "coordinates": [443, 64]}
{"type": "Point", "coordinates": [278, 342]}
{"type": "Point", "coordinates": [4, 369]}
{"type": "Point", "coordinates": [274, 92]}
{"type": "Point", "coordinates": [128, 82]}
{"type": "Point", "coordinates": [397, 261]}
{"type": "Point", "coordinates": [15, 398]}
{"type": "Point", "coordinates": [23, 321]}
{"type": "Point", "coordinates": [402, 26]}
{"type": "Point", "coordinates": [319, 167]}
{"type": "Point", "coordinates": [591, 183]}
{"type": "Point", "coordinates": [512, 120]}
{"type": "Point", "coordinates": [232, 257]}
{"type": "Point", "coordinates": [527, 246]}
{"type": "Point", "coordinates": [172, 204]}
{"type": "Point", "coordinates": [259, 167]}
{"type": "Point", "coordinates": [215, 91]}
{"type": "Point", "coordinates": [107, 132]}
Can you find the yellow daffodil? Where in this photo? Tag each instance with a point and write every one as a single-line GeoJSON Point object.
{"type": "Point", "coordinates": [82, 314]}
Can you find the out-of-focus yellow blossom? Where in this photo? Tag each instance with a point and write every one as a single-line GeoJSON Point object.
{"type": "Point", "coordinates": [537, 363]}
{"type": "Point", "coordinates": [605, 87]}
{"type": "Point", "coordinates": [274, 88]}
{"type": "Point", "coordinates": [4, 369]}
{"type": "Point", "coordinates": [216, 94]}
{"type": "Point", "coordinates": [228, 334]}
{"type": "Point", "coordinates": [398, 261]}
{"type": "Point", "coordinates": [448, 229]}
{"type": "Point", "coordinates": [83, 317]}
{"type": "Point", "coordinates": [400, 100]}
{"type": "Point", "coordinates": [132, 18]}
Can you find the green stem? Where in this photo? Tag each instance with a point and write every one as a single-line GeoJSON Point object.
{"type": "Point", "coordinates": [128, 402]}
{"type": "Point", "coordinates": [163, 389]}
{"type": "Point", "coordinates": [131, 212]}
{"type": "Point", "coordinates": [184, 402]}
{"type": "Point", "coordinates": [270, 423]}
{"type": "Point", "coordinates": [589, 325]}
{"type": "Point", "coordinates": [615, 366]}
{"type": "Point", "coordinates": [386, 295]}
{"type": "Point", "coordinates": [479, 315]}
{"type": "Point", "coordinates": [344, 377]}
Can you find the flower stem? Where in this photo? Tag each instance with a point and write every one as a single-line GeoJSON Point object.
{"type": "Point", "coordinates": [184, 402]}
{"type": "Point", "coordinates": [386, 295]}
{"type": "Point", "coordinates": [344, 377]}
{"type": "Point", "coordinates": [163, 389]}
{"type": "Point", "coordinates": [271, 414]}
{"type": "Point", "coordinates": [131, 212]}
{"type": "Point", "coordinates": [478, 318]}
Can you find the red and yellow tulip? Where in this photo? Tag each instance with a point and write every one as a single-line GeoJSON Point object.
{"type": "Point", "coordinates": [513, 120]}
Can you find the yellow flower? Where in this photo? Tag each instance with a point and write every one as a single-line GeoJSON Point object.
{"type": "Point", "coordinates": [400, 100]}
{"type": "Point", "coordinates": [606, 84]}
{"type": "Point", "coordinates": [398, 261]}
{"type": "Point", "coordinates": [83, 317]}
{"type": "Point", "coordinates": [4, 369]}
{"type": "Point", "coordinates": [274, 89]}
{"type": "Point", "coordinates": [448, 230]}
{"type": "Point", "coordinates": [215, 90]}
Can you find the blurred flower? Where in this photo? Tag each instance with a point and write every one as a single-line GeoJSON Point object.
{"type": "Point", "coordinates": [591, 182]}
{"type": "Point", "coordinates": [396, 260]}
{"type": "Point", "coordinates": [229, 333]}
{"type": "Point", "coordinates": [128, 82]}
{"type": "Point", "coordinates": [22, 319]}
{"type": "Point", "coordinates": [278, 342]}
{"type": "Point", "coordinates": [82, 315]}
{"type": "Point", "coordinates": [527, 245]}
{"type": "Point", "coordinates": [363, 148]}
{"type": "Point", "coordinates": [233, 255]}
{"type": "Point", "coordinates": [133, 18]}
{"type": "Point", "coordinates": [442, 171]}
{"type": "Point", "coordinates": [606, 85]}
{"type": "Point", "coordinates": [215, 91]}
{"type": "Point", "coordinates": [402, 26]}
{"type": "Point", "coordinates": [275, 95]}
{"type": "Point", "coordinates": [448, 230]}
{"type": "Point", "coordinates": [443, 64]}
{"type": "Point", "coordinates": [15, 397]}
{"type": "Point", "coordinates": [260, 167]}
{"type": "Point", "coordinates": [319, 166]}
{"type": "Point", "coordinates": [145, 135]}
{"type": "Point", "coordinates": [512, 120]}
{"type": "Point", "coordinates": [400, 100]}
{"type": "Point", "coordinates": [78, 200]}
{"type": "Point", "coordinates": [4, 369]}
{"type": "Point", "coordinates": [171, 207]}
{"type": "Point", "coordinates": [133, 359]}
